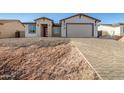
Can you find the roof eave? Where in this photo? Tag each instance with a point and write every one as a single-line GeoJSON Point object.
{"type": "Point", "coordinates": [43, 18]}
{"type": "Point", "coordinates": [12, 20]}
{"type": "Point", "coordinates": [28, 23]}
{"type": "Point", "coordinates": [83, 15]}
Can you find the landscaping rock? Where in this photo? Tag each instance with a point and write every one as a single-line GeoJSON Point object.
{"type": "Point", "coordinates": [43, 60]}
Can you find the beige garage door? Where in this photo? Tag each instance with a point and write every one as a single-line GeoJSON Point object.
{"type": "Point", "coordinates": [79, 30]}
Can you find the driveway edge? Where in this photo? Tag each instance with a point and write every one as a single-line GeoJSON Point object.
{"type": "Point", "coordinates": [88, 63]}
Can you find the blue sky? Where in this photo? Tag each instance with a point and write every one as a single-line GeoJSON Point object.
{"type": "Point", "coordinates": [29, 17]}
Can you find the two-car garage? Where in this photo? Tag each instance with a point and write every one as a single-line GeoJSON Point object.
{"type": "Point", "coordinates": [80, 26]}
{"type": "Point", "coordinates": [79, 30]}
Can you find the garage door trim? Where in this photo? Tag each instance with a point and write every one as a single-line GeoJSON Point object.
{"type": "Point", "coordinates": [82, 24]}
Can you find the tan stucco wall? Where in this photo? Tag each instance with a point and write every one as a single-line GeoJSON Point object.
{"type": "Point", "coordinates": [77, 19]}
{"type": "Point", "coordinates": [7, 30]}
{"type": "Point", "coordinates": [39, 28]}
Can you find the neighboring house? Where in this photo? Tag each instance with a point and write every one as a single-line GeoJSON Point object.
{"type": "Point", "coordinates": [8, 28]}
{"type": "Point", "coordinates": [111, 29]}
{"type": "Point", "coordinates": [79, 25]}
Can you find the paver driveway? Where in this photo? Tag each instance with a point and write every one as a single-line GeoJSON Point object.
{"type": "Point", "coordinates": [106, 56]}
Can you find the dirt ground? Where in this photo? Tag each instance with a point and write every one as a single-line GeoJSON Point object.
{"type": "Point", "coordinates": [105, 55]}
{"type": "Point", "coordinates": [43, 59]}
{"type": "Point", "coordinates": [121, 39]}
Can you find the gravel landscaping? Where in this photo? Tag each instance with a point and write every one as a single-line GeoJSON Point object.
{"type": "Point", "coordinates": [43, 59]}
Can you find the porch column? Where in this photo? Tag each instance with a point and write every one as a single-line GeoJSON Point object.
{"type": "Point", "coordinates": [50, 30]}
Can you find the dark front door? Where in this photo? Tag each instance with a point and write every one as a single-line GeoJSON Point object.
{"type": "Point", "coordinates": [45, 30]}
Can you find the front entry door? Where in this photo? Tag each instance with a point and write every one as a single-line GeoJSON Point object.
{"type": "Point", "coordinates": [45, 30]}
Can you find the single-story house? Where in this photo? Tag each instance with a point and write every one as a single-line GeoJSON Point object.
{"type": "Point", "coordinates": [111, 29]}
{"type": "Point", "coordinates": [8, 28]}
{"type": "Point", "coordinates": [79, 25]}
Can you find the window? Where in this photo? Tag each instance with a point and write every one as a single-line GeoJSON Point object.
{"type": "Point", "coordinates": [32, 28]}
{"type": "Point", "coordinates": [56, 30]}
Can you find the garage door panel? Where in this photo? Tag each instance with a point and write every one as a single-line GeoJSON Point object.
{"type": "Point", "coordinates": [79, 30]}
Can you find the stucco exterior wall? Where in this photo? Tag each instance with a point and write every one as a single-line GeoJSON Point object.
{"type": "Point", "coordinates": [77, 19]}
{"type": "Point", "coordinates": [117, 30]}
{"type": "Point", "coordinates": [7, 30]}
{"type": "Point", "coordinates": [110, 30]}
{"type": "Point", "coordinates": [122, 30]}
{"type": "Point", "coordinates": [39, 27]}
{"type": "Point", "coordinates": [107, 30]}
{"type": "Point", "coordinates": [27, 34]}
{"type": "Point", "coordinates": [96, 30]}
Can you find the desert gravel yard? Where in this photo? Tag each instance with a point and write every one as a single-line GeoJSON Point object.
{"type": "Point", "coordinates": [106, 56]}
{"type": "Point", "coordinates": [43, 59]}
